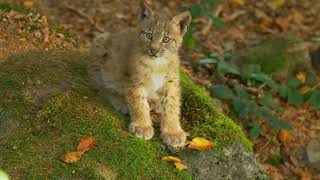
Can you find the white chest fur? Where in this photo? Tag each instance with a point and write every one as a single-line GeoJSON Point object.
{"type": "Point", "coordinates": [155, 82]}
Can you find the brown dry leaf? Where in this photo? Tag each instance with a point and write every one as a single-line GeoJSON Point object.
{"type": "Point", "coordinates": [265, 23]}
{"type": "Point", "coordinates": [200, 143]}
{"type": "Point", "coordinates": [196, 57]}
{"type": "Point", "coordinates": [305, 89]}
{"type": "Point", "coordinates": [27, 4]}
{"type": "Point", "coordinates": [297, 17]}
{"type": "Point", "coordinates": [301, 76]}
{"type": "Point", "coordinates": [177, 162]}
{"type": "Point", "coordinates": [284, 136]}
{"type": "Point", "coordinates": [171, 159]}
{"type": "Point", "coordinates": [187, 71]}
{"type": "Point", "coordinates": [305, 177]}
{"type": "Point", "coordinates": [236, 34]}
{"type": "Point", "coordinates": [305, 174]}
{"type": "Point", "coordinates": [96, 19]}
{"type": "Point", "coordinates": [282, 23]}
{"type": "Point", "coordinates": [86, 143]}
{"type": "Point", "coordinates": [70, 157]}
{"type": "Point", "coordinates": [180, 166]}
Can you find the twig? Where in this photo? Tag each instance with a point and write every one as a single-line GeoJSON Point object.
{"type": "Point", "coordinates": [315, 87]}
{"type": "Point", "coordinates": [207, 28]}
{"type": "Point", "coordinates": [85, 16]}
{"type": "Point", "coordinates": [256, 91]}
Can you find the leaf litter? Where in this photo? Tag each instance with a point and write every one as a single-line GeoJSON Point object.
{"type": "Point", "coordinates": [85, 144]}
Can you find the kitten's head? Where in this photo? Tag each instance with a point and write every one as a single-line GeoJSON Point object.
{"type": "Point", "coordinates": [158, 34]}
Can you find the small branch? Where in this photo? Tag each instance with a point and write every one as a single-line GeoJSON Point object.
{"type": "Point", "coordinates": [87, 17]}
{"type": "Point", "coordinates": [256, 91]}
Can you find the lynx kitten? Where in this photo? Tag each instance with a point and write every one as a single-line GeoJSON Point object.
{"type": "Point", "coordinates": [137, 70]}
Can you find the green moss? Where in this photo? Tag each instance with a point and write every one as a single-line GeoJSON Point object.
{"type": "Point", "coordinates": [203, 118]}
{"type": "Point", "coordinates": [47, 107]}
{"type": "Point", "coordinates": [13, 7]}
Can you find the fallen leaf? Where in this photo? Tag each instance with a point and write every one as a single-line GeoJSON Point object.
{"type": "Point", "coordinates": [86, 144]}
{"type": "Point", "coordinates": [297, 17]}
{"type": "Point", "coordinates": [305, 177]}
{"type": "Point", "coordinates": [237, 2]}
{"type": "Point", "coordinates": [282, 23]}
{"type": "Point", "coordinates": [177, 162]}
{"type": "Point", "coordinates": [187, 71]}
{"type": "Point", "coordinates": [301, 76]}
{"type": "Point", "coordinates": [180, 166]}
{"type": "Point", "coordinates": [264, 24]}
{"type": "Point", "coordinates": [236, 34]}
{"type": "Point", "coordinates": [284, 136]}
{"type": "Point", "coordinates": [70, 157]}
{"type": "Point", "coordinates": [200, 143]}
{"type": "Point", "coordinates": [28, 4]}
{"type": "Point", "coordinates": [305, 89]}
{"type": "Point", "coordinates": [277, 3]}
{"type": "Point", "coordinates": [265, 21]}
{"type": "Point", "coordinates": [171, 159]}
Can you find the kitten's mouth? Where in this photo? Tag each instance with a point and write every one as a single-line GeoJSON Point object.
{"type": "Point", "coordinates": [154, 55]}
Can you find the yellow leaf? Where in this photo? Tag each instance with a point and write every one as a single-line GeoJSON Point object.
{"type": "Point", "coordinates": [70, 157]}
{"type": "Point", "coordinates": [284, 136]}
{"type": "Point", "coordinates": [305, 89]}
{"type": "Point", "coordinates": [301, 76]}
{"type": "Point", "coordinates": [28, 4]}
{"type": "Point", "coordinates": [238, 2]}
{"type": "Point", "coordinates": [171, 159]}
{"type": "Point", "coordinates": [277, 3]}
{"type": "Point", "coordinates": [180, 166]}
{"type": "Point", "coordinates": [200, 143]}
{"type": "Point", "coordinates": [86, 144]}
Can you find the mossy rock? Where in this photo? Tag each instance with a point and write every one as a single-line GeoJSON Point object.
{"type": "Point", "coordinates": [277, 56]}
{"type": "Point", "coordinates": [46, 107]}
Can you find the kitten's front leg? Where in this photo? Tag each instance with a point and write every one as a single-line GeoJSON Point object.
{"type": "Point", "coordinates": [171, 131]}
{"type": "Point", "coordinates": [141, 124]}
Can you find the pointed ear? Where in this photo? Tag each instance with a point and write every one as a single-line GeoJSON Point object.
{"type": "Point", "coordinates": [182, 22]}
{"type": "Point", "coordinates": [145, 11]}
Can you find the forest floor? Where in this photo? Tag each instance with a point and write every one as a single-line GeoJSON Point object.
{"type": "Point", "coordinates": [245, 26]}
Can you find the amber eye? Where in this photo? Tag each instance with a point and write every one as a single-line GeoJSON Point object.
{"type": "Point", "coordinates": [166, 40]}
{"type": "Point", "coordinates": [149, 35]}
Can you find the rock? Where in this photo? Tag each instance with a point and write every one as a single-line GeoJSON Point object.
{"type": "Point", "coordinates": [42, 93]}
{"type": "Point", "coordinates": [313, 154]}
{"type": "Point", "coordinates": [232, 162]}
{"type": "Point", "coordinates": [281, 57]}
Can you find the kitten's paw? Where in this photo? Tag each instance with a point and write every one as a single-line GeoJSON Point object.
{"type": "Point", "coordinates": [142, 131]}
{"type": "Point", "coordinates": [175, 139]}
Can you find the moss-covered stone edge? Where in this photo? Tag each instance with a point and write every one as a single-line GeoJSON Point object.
{"type": "Point", "coordinates": [205, 120]}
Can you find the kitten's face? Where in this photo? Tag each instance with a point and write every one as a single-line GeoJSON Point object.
{"type": "Point", "coordinates": [160, 35]}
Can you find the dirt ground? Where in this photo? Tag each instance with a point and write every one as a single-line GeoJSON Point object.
{"type": "Point", "coordinates": [245, 25]}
